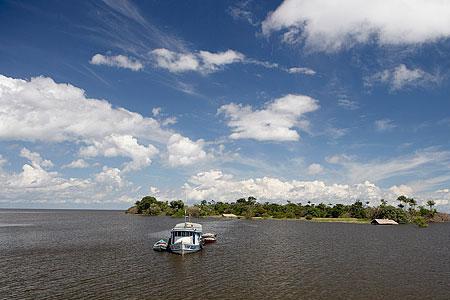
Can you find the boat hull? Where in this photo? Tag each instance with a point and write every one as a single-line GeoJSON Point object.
{"type": "Point", "coordinates": [180, 248]}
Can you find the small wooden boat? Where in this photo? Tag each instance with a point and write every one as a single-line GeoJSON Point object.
{"type": "Point", "coordinates": [209, 237]}
{"type": "Point", "coordinates": [160, 246]}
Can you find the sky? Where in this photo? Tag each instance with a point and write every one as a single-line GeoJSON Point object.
{"type": "Point", "coordinates": [104, 102]}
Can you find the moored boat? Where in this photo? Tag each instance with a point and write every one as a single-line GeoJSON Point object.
{"type": "Point", "coordinates": [160, 245]}
{"type": "Point", "coordinates": [209, 237]}
{"type": "Point", "coordinates": [185, 238]}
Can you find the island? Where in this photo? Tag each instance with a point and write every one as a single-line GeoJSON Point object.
{"type": "Point", "coordinates": [406, 212]}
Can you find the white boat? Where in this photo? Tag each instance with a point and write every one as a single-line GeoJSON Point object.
{"type": "Point", "coordinates": [186, 238]}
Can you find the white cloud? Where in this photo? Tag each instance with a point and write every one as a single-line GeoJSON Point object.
{"type": "Point", "coordinates": [122, 145]}
{"type": "Point", "coordinates": [154, 191]}
{"type": "Point", "coordinates": [120, 61]}
{"type": "Point", "coordinates": [402, 77]}
{"type": "Point", "coordinates": [275, 122]}
{"type": "Point", "coordinates": [42, 110]}
{"type": "Point", "coordinates": [425, 161]}
{"type": "Point", "coordinates": [206, 62]}
{"type": "Point", "coordinates": [77, 164]}
{"type": "Point", "coordinates": [348, 104]}
{"type": "Point", "coordinates": [35, 158]}
{"type": "Point", "coordinates": [156, 111]}
{"type": "Point", "coordinates": [223, 187]}
{"type": "Point", "coordinates": [111, 178]}
{"type": "Point", "coordinates": [3, 161]}
{"type": "Point", "coordinates": [439, 202]}
{"type": "Point", "coordinates": [175, 62]}
{"type": "Point", "coordinates": [314, 169]}
{"type": "Point", "coordinates": [336, 133]}
{"type": "Point", "coordinates": [203, 61]}
{"type": "Point", "coordinates": [241, 11]}
{"type": "Point", "coordinates": [169, 121]}
{"type": "Point", "coordinates": [34, 180]}
{"type": "Point", "coordinates": [332, 25]}
{"type": "Point", "coordinates": [182, 151]}
{"type": "Point", "coordinates": [301, 70]}
{"type": "Point", "coordinates": [36, 185]}
{"type": "Point", "coordinates": [384, 125]}
{"type": "Point", "coordinates": [402, 189]}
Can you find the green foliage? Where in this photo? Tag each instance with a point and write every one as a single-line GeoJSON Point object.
{"type": "Point", "coordinates": [420, 221]}
{"type": "Point", "coordinates": [390, 212]}
{"type": "Point", "coordinates": [250, 207]}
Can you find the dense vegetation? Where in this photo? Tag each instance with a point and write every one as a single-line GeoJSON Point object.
{"type": "Point", "coordinates": [405, 212]}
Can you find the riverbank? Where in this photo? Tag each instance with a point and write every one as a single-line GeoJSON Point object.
{"type": "Point", "coordinates": [357, 213]}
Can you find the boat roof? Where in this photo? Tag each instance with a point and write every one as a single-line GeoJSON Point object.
{"type": "Point", "coordinates": [189, 226]}
{"type": "Point", "coordinates": [384, 222]}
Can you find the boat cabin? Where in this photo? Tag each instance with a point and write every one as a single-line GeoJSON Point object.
{"type": "Point", "coordinates": [187, 229]}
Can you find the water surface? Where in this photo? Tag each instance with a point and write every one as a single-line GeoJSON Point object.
{"type": "Point", "coordinates": [54, 254]}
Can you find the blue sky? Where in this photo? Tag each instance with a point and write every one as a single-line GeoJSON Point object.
{"type": "Point", "coordinates": [103, 102]}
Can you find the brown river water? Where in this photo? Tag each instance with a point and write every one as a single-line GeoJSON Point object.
{"type": "Point", "coordinates": [74, 254]}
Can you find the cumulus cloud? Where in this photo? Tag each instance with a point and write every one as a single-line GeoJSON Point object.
{"type": "Point", "coordinates": [111, 178]}
{"type": "Point", "coordinates": [202, 61]}
{"type": "Point", "coordinates": [42, 110]}
{"type": "Point", "coordinates": [35, 158]}
{"type": "Point", "coordinates": [34, 179]}
{"type": "Point", "coordinates": [333, 25]}
{"type": "Point", "coordinates": [314, 169]}
{"type": "Point", "coordinates": [34, 184]}
{"type": "Point", "coordinates": [77, 164]}
{"type": "Point", "coordinates": [275, 122]}
{"type": "Point", "coordinates": [122, 145]}
{"type": "Point", "coordinates": [119, 61]}
{"type": "Point", "coordinates": [182, 151]}
{"type": "Point", "coordinates": [384, 125]}
{"type": "Point", "coordinates": [218, 186]}
{"type": "Point", "coordinates": [402, 77]}
{"type": "Point", "coordinates": [401, 190]}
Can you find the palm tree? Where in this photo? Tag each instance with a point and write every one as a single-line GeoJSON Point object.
{"type": "Point", "coordinates": [402, 199]}
{"type": "Point", "coordinates": [383, 202]}
{"type": "Point", "coordinates": [431, 203]}
{"type": "Point", "coordinates": [412, 203]}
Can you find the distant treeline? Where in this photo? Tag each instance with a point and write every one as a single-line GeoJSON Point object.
{"type": "Point", "coordinates": [407, 210]}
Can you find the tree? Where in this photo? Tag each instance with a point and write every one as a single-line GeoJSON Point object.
{"type": "Point", "coordinates": [412, 203]}
{"type": "Point", "coordinates": [402, 199]}
{"type": "Point", "coordinates": [431, 203]}
{"type": "Point", "coordinates": [176, 205]}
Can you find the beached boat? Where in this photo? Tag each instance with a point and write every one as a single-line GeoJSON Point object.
{"type": "Point", "coordinates": [209, 237]}
{"type": "Point", "coordinates": [160, 245]}
{"type": "Point", "coordinates": [185, 238]}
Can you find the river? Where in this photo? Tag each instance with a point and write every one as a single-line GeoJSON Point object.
{"type": "Point", "coordinates": [79, 254]}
